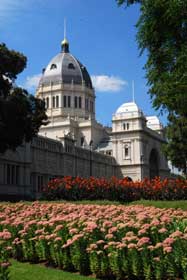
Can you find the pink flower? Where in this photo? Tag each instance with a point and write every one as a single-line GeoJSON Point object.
{"type": "Point", "coordinates": [141, 231]}
{"type": "Point", "coordinates": [143, 241]}
{"type": "Point", "coordinates": [112, 229]}
{"type": "Point", "coordinates": [58, 239]}
{"type": "Point", "coordinates": [177, 233]}
{"type": "Point", "coordinates": [167, 249]}
{"type": "Point", "coordinates": [109, 236]}
{"type": "Point", "coordinates": [59, 227]}
{"type": "Point", "coordinates": [168, 241]}
{"type": "Point", "coordinates": [100, 242]}
{"type": "Point", "coordinates": [5, 264]}
{"type": "Point", "coordinates": [162, 230]}
{"type": "Point", "coordinates": [5, 235]}
{"type": "Point", "coordinates": [131, 246]}
{"type": "Point", "coordinates": [73, 231]}
{"type": "Point", "coordinates": [156, 259]}
{"type": "Point", "coordinates": [158, 245]}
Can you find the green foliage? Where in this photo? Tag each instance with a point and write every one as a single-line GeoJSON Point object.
{"type": "Point", "coordinates": [128, 2]}
{"type": "Point", "coordinates": [4, 264]}
{"type": "Point", "coordinates": [21, 114]}
{"type": "Point", "coordinates": [176, 148]}
{"type": "Point", "coordinates": [162, 32]}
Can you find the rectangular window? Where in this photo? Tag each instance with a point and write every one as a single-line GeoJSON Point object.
{"type": "Point", "coordinates": [53, 102]}
{"type": "Point", "coordinates": [69, 101]}
{"type": "Point", "coordinates": [57, 101]}
{"type": "Point", "coordinates": [75, 101]}
{"type": "Point", "coordinates": [17, 175]}
{"type": "Point", "coordinates": [47, 102]}
{"type": "Point", "coordinates": [40, 182]}
{"type": "Point", "coordinates": [91, 106]}
{"type": "Point", "coordinates": [65, 101]}
{"type": "Point", "coordinates": [80, 102]}
{"type": "Point", "coordinates": [86, 104]}
{"type": "Point", "coordinates": [8, 174]}
{"type": "Point", "coordinates": [12, 174]}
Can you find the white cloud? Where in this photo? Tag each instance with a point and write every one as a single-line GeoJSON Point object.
{"type": "Point", "coordinates": [102, 83]}
{"type": "Point", "coordinates": [32, 82]}
{"type": "Point", "coordinates": [105, 83]}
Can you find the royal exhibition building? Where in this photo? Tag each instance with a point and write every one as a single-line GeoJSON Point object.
{"type": "Point", "coordinates": [74, 143]}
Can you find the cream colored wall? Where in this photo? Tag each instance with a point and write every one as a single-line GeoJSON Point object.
{"type": "Point", "coordinates": [68, 90]}
{"type": "Point", "coordinates": [141, 140]}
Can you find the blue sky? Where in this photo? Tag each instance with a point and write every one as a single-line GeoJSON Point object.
{"type": "Point", "coordinates": [101, 35]}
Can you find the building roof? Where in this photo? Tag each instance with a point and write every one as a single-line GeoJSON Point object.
{"type": "Point", "coordinates": [65, 68]}
{"type": "Point", "coordinates": [153, 122]}
{"type": "Point", "coordinates": [129, 107]}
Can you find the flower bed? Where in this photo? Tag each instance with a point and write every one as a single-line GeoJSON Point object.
{"type": "Point", "coordinates": [115, 189]}
{"type": "Point", "coordinates": [115, 242]}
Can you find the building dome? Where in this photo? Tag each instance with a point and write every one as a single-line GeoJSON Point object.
{"type": "Point", "coordinates": [129, 107]}
{"type": "Point", "coordinates": [154, 123]}
{"type": "Point", "coordinates": [65, 68]}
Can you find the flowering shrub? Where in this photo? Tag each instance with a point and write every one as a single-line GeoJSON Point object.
{"type": "Point", "coordinates": [115, 189]}
{"type": "Point", "coordinates": [117, 242]}
{"type": "Point", "coordinates": [5, 236]}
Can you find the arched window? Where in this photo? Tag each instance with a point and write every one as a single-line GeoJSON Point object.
{"type": "Point", "coordinates": [53, 102]}
{"type": "Point", "coordinates": [80, 102]}
{"type": "Point", "coordinates": [53, 66]}
{"type": "Point", "coordinates": [57, 101]}
{"type": "Point", "coordinates": [153, 164]}
{"type": "Point", "coordinates": [126, 151]}
{"type": "Point", "coordinates": [126, 126]}
{"type": "Point", "coordinates": [71, 66]}
{"type": "Point", "coordinates": [75, 101]}
{"type": "Point", "coordinates": [82, 141]}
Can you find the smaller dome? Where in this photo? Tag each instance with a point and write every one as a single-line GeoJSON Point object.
{"type": "Point", "coordinates": [154, 123]}
{"type": "Point", "coordinates": [129, 107]}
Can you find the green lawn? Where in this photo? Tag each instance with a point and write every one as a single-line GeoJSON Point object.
{"type": "Point", "coordinates": [26, 271]}
{"type": "Point", "coordinates": [160, 203]}
{"type": "Point", "coordinates": [163, 204]}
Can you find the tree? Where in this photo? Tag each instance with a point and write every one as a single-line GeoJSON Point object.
{"type": "Point", "coordinates": [177, 142]}
{"type": "Point", "coordinates": [162, 32]}
{"type": "Point", "coordinates": [21, 114]}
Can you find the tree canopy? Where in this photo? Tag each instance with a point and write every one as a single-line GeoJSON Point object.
{"type": "Point", "coordinates": [162, 32]}
{"type": "Point", "coordinates": [21, 114]}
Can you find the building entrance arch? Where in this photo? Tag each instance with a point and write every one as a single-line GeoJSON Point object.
{"type": "Point", "coordinates": [153, 164]}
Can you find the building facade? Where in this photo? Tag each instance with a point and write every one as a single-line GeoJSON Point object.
{"type": "Point", "coordinates": [74, 143]}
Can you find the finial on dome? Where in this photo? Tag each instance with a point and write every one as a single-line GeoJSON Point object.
{"type": "Point", "coordinates": [65, 43]}
{"type": "Point", "coordinates": [133, 99]}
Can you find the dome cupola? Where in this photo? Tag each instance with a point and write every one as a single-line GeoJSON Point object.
{"type": "Point", "coordinates": [66, 87]}
{"type": "Point", "coordinates": [66, 69]}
